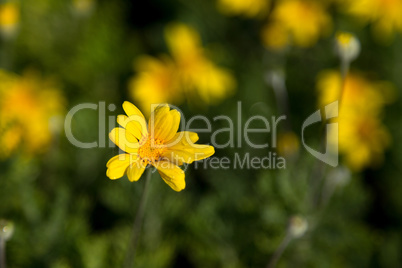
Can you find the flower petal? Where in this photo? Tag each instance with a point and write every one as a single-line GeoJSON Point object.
{"type": "Point", "coordinates": [171, 174]}
{"type": "Point", "coordinates": [180, 154]}
{"type": "Point", "coordinates": [135, 170]}
{"type": "Point", "coordinates": [131, 109]}
{"type": "Point", "coordinates": [124, 139]}
{"type": "Point", "coordinates": [161, 122]}
{"type": "Point", "coordinates": [117, 166]}
{"type": "Point", "coordinates": [183, 138]}
{"type": "Point", "coordinates": [134, 124]}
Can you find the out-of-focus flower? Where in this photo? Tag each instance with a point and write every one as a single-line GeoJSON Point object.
{"type": "Point", "coordinates": [156, 82]}
{"type": "Point", "coordinates": [6, 229]}
{"type": "Point", "coordinates": [198, 74]}
{"type": "Point", "coordinates": [159, 145]}
{"type": "Point", "coordinates": [247, 8]}
{"type": "Point", "coordinates": [83, 7]}
{"type": "Point", "coordinates": [188, 74]}
{"type": "Point", "coordinates": [358, 93]}
{"type": "Point", "coordinates": [288, 144]}
{"type": "Point", "coordinates": [296, 22]}
{"type": "Point", "coordinates": [347, 46]}
{"type": "Point", "coordinates": [362, 139]}
{"type": "Point", "coordinates": [275, 36]}
{"type": "Point", "coordinates": [297, 226]}
{"type": "Point", "coordinates": [361, 136]}
{"type": "Point", "coordinates": [9, 18]}
{"type": "Point", "coordinates": [386, 15]}
{"type": "Point", "coordinates": [27, 105]}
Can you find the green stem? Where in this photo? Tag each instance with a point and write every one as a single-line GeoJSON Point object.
{"type": "Point", "coordinates": [344, 72]}
{"type": "Point", "coordinates": [279, 251]}
{"type": "Point", "coordinates": [135, 234]}
{"type": "Point", "coordinates": [2, 252]}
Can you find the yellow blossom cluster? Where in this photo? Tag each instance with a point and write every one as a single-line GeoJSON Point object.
{"type": "Point", "coordinates": [385, 15]}
{"type": "Point", "coordinates": [296, 22]}
{"type": "Point", "coordinates": [246, 8]}
{"type": "Point", "coordinates": [290, 22]}
{"type": "Point", "coordinates": [9, 18]}
{"type": "Point", "coordinates": [29, 108]}
{"type": "Point", "coordinates": [362, 137]}
{"type": "Point", "coordinates": [187, 73]}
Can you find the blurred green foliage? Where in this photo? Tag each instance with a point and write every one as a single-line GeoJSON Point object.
{"type": "Point", "coordinates": [68, 214]}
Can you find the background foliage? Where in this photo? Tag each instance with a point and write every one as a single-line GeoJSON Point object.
{"type": "Point", "coordinates": [68, 214]}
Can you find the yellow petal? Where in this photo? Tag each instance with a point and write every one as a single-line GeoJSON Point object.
{"type": "Point", "coordinates": [131, 109]}
{"type": "Point", "coordinates": [183, 138]}
{"type": "Point", "coordinates": [171, 174]}
{"type": "Point", "coordinates": [124, 139]}
{"type": "Point", "coordinates": [188, 153]}
{"type": "Point", "coordinates": [134, 124]}
{"type": "Point", "coordinates": [135, 170]}
{"type": "Point", "coordinates": [117, 166]}
{"type": "Point", "coordinates": [183, 41]}
{"type": "Point", "coordinates": [160, 122]}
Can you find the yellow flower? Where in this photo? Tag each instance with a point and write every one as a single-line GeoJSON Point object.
{"type": "Point", "coordinates": [83, 7]}
{"type": "Point", "coordinates": [359, 93]}
{"type": "Point", "coordinates": [9, 14]}
{"type": "Point", "coordinates": [158, 144]}
{"type": "Point", "coordinates": [247, 8]}
{"type": "Point", "coordinates": [362, 138]}
{"type": "Point", "coordinates": [198, 75]}
{"type": "Point", "coordinates": [288, 144]}
{"type": "Point", "coordinates": [386, 15]}
{"type": "Point", "coordinates": [297, 22]}
{"type": "Point", "coordinates": [188, 74]}
{"type": "Point", "coordinates": [156, 82]}
{"type": "Point", "coordinates": [9, 18]}
{"type": "Point", "coordinates": [27, 106]}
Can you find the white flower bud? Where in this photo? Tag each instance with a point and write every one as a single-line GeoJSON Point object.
{"type": "Point", "coordinates": [347, 46]}
{"type": "Point", "coordinates": [297, 226]}
{"type": "Point", "coordinates": [6, 229]}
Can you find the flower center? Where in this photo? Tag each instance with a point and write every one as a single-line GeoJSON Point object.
{"type": "Point", "coordinates": [151, 150]}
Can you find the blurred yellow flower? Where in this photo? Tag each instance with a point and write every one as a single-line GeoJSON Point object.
{"type": "Point", "coordinates": [83, 7]}
{"type": "Point", "coordinates": [28, 106]}
{"type": "Point", "coordinates": [159, 145]}
{"type": "Point", "coordinates": [288, 144]}
{"type": "Point", "coordinates": [198, 74]}
{"type": "Point", "coordinates": [9, 18]}
{"type": "Point", "coordinates": [188, 74]}
{"type": "Point", "coordinates": [386, 15]}
{"type": "Point", "coordinates": [156, 82]}
{"type": "Point", "coordinates": [296, 22]}
{"type": "Point", "coordinates": [362, 137]}
{"type": "Point", "coordinates": [359, 93]}
{"type": "Point", "coordinates": [247, 8]}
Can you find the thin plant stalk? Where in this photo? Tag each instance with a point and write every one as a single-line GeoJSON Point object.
{"type": "Point", "coordinates": [2, 252]}
{"type": "Point", "coordinates": [345, 65]}
{"type": "Point", "coordinates": [135, 233]}
{"type": "Point", "coordinates": [279, 251]}
{"type": "Point", "coordinates": [320, 170]}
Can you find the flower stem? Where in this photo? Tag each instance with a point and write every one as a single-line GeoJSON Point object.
{"type": "Point", "coordinates": [345, 65]}
{"type": "Point", "coordinates": [135, 233]}
{"type": "Point", "coordinates": [279, 251]}
{"type": "Point", "coordinates": [2, 252]}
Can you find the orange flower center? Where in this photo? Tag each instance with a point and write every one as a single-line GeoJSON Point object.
{"type": "Point", "coordinates": [151, 150]}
